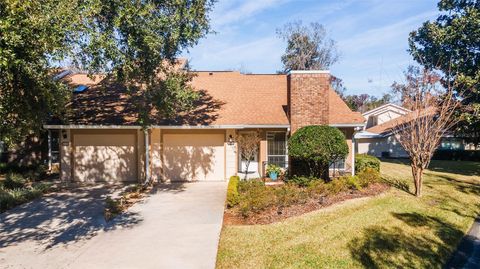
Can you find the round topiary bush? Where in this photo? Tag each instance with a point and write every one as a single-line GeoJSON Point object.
{"type": "Point", "coordinates": [313, 148]}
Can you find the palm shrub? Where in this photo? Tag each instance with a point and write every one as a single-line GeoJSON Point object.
{"type": "Point", "coordinates": [313, 148]}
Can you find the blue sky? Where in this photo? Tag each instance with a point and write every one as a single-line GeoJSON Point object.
{"type": "Point", "coordinates": [372, 37]}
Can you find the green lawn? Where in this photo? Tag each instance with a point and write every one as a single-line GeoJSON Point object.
{"type": "Point", "coordinates": [393, 230]}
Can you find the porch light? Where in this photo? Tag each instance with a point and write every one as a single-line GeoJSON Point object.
{"type": "Point", "coordinates": [230, 140]}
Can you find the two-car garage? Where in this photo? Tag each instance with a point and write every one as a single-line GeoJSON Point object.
{"type": "Point", "coordinates": [119, 155]}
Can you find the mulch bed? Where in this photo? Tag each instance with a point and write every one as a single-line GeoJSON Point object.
{"type": "Point", "coordinates": [276, 214]}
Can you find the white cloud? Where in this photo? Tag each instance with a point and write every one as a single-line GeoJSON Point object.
{"type": "Point", "coordinates": [233, 11]}
{"type": "Point", "coordinates": [385, 35]}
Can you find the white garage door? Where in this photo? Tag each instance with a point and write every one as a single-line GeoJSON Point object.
{"type": "Point", "coordinates": [194, 157]}
{"type": "Point", "coordinates": [104, 157]}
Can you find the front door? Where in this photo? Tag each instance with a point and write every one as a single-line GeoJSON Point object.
{"type": "Point", "coordinates": [252, 166]}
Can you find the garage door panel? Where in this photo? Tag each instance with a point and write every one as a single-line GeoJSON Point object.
{"type": "Point", "coordinates": [198, 157]}
{"type": "Point", "coordinates": [110, 158]}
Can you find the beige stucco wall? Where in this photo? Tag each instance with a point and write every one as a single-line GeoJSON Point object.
{"type": "Point", "coordinates": [230, 155]}
{"type": "Point", "coordinates": [375, 147]}
{"type": "Point", "coordinates": [140, 155]}
{"type": "Point", "coordinates": [348, 132]}
{"type": "Point", "coordinates": [385, 115]}
{"type": "Point", "coordinates": [229, 165]}
{"type": "Point", "coordinates": [155, 154]}
{"type": "Point", "coordinates": [65, 156]}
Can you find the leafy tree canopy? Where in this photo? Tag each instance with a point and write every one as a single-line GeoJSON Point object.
{"type": "Point", "coordinates": [132, 40]}
{"type": "Point", "coordinates": [32, 35]}
{"type": "Point", "coordinates": [451, 44]}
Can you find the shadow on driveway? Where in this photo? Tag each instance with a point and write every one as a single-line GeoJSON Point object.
{"type": "Point", "coordinates": [60, 218]}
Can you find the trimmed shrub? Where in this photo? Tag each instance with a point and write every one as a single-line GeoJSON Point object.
{"type": "Point", "coordinates": [302, 181]}
{"type": "Point", "coordinates": [352, 182]}
{"type": "Point", "coordinates": [290, 194]}
{"type": "Point", "coordinates": [362, 161]}
{"type": "Point", "coordinates": [232, 191]}
{"type": "Point", "coordinates": [317, 188]}
{"type": "Point", "coordinates": [313, 148]}
{"type": "Point", "coordinates": [457, 155]}
{"type": "Point", "coordinates": [254, 197]}
{"type": "Point", "coordinates": [368, 176]}
{"type": "Point", "coordinates": [336, 186]}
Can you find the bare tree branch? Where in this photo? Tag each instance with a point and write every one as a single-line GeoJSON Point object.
{"type": "Point", "coordinates": [433, 106]}
{"type": "Point", "coordinates": [248, 146]}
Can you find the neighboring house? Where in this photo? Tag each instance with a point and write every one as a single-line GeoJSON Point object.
{"type": "Point", "coordinates": [103, 142]}
{"type": "Point", "coordinates": [378, 140]}
{"type": "Point", "coordinates": [383, 114]}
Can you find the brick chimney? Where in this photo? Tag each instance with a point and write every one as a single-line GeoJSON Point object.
{"type": "Point", "coordinates": [308, 98]}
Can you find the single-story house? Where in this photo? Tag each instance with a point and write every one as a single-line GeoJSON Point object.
{"type": "Point", "coordinates": [102, 140]}
{"type": "Point", "coordinates": [377, 139]}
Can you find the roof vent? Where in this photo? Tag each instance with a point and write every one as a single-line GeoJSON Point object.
{"type": "Point", "coordinates": [80, 88]}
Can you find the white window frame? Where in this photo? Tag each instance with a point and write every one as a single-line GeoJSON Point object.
{"type": "Point", "coordinates": [340, 169]}
{"type": "Point", "coordinates": [286, 147]}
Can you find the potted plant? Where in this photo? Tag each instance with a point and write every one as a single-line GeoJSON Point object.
{"type": "Point", "coordinates": [273, 171]}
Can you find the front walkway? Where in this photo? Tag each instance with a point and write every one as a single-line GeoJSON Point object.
{"type": "Point", "coordinates": [467, 256]}
{"type": "Point", "coordinates": [178, 226]}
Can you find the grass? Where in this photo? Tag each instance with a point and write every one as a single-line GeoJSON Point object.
{"type": "Point", "coordinates": [393, 230]}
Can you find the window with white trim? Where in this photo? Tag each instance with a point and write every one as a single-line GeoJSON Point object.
{"type": "Point", "coordinates": [338, 165]}
{"type": "Point", "coordinates": [277, 148]}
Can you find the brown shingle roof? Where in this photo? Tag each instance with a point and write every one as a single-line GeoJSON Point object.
{"type": "Point", "coordinates": [227, 98]}
{"type": "Point", "coordinates": [387, 127]}
{"type": "Point", "coordinates": [340, 113]}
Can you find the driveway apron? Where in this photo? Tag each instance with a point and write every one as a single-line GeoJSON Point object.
{"type": "Point", "coordinates": [177, 226]}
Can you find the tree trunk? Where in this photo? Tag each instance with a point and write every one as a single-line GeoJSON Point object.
{"type": "Point", "coordinates": [417, 173]}
{"type": "Point", "coordinates": [247, 164]}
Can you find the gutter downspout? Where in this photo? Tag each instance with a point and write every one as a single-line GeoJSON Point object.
{"type": "Point", "coordinates": [49, 150]}
{"type": "Point", "coordinates": [353, 149]}
{"type": "Point", "coordinates": [353, 154]}
{"type": "Point", "coordinates": [147, 158]}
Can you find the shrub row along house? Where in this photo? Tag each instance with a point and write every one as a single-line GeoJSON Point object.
{"type": "Point", "coordinates": [103, 142]}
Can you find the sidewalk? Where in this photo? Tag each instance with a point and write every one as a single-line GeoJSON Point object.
{"type": "Point", "coordinates": [467, 255]}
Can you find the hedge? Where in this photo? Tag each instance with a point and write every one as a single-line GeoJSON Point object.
{"type": "Point", "coordinates": [363, 161]}
{"type": "Point", "coordinates": [457, 155]}
{"type": "Point", "coordinates": [232, 191]}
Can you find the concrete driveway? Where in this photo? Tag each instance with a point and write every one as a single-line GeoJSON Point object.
{"type": "Point", "coordinates": [177, 226]}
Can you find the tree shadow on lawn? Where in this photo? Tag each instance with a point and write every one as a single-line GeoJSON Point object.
{"type": "Point", "coordinates": [466, 168]}
{"type": "Point", "coordinates": [399, 184]}
{"type": "Point", "coordinates": [392, 247]}
{"type": "Point", "coordinates": [467, 187]}
{"type": "Point", "coordinates": [60, 218]}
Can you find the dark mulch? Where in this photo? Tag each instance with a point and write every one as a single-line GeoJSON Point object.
{"type": "Point", "coordinates": [275, 214]}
